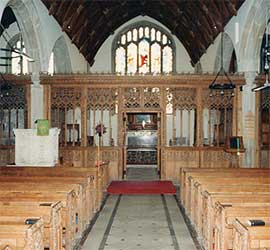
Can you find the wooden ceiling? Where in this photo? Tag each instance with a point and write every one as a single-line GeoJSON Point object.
{"type": "Point", "coordinates": [196, 23]}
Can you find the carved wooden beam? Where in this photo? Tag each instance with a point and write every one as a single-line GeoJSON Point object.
{"type": "Point", "coordinates": [78, 37]}
{"type": "Point", "coordinates": [195, 23]}
{"type": "Point", "coordinates": [87, 42]}
{"type": "Point", "coordinates": [231, 8]}
{"type": "Point", "coordinates": [216, 15]}
{"type": "Point", "coordinates": [223, 10]}
{"type": "Point", "coordinates": [207, 29]}
{"type": "Point", "coordinates": [47, 3]}
{"type": "Point", "coordinates": [209, 17]}
{"type": "Point", "coordinates": [69, 15]}
{"type": "Point", "coordinates": [53, 7]}
{"type": "Point", "coordinates": [77, 19]}
{"type": "Point", "coordinates": [61, 10]}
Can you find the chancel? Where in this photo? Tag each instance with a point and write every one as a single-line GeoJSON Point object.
{"type": "Point", "coordinates": [134, 125]}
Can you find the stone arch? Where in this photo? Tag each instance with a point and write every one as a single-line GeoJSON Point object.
{"type": "Point", "coordinates": [28, 20]}
{"type": "Point", "coordinates": [228, 49]}
{"type": "Point", "coordinates": [252, 35]}
{"type": "Point", "coordinates": [62, 62]}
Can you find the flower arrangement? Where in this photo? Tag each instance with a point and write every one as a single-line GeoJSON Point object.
{"type": "Point", "coordinates": [100, 129]}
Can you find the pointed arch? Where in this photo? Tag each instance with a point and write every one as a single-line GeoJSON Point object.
{"type": "Point", "coordinates": [143, 47]}
{"type": "Point", "coordinates": [228, 53]}
{"type": "Point", "coordinates": [62, 62]}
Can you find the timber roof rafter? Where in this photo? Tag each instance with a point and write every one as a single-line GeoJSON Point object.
{"type": "Point", "coordinates": [196, 23]}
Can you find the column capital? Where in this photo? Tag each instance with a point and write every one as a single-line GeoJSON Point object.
{"type": "Point", "coordinates": [35, 78]}
{"type": "Point", "coordinates": [250, 77]}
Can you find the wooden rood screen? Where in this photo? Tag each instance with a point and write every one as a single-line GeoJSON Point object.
{"type": "Point", "coordinates": [14, 112]}
{"type": "Point", "coordinates": [192, 121]}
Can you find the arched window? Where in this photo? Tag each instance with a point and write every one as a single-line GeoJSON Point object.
{"type": "Point", "coordinates": [51, 64]}
{"type": "Point", "coordinates": [19, 63]}
{"type": "Point", "coordinates": [233, 63]}
{"type": "Point", "coordinates": [143, 48]}
{"type": "Point", "coordinates": [263, 56]}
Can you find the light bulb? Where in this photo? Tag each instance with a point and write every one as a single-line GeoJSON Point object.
{"type": "Point", "coordinates": [266, 66]}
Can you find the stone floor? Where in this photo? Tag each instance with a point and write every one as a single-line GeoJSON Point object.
{"type": "Point", "coordinates": [142, 172]}
{"type": "Point", "coordinates": [145, 222]}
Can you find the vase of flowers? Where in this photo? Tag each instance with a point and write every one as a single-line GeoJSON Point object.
{"type": "Point", "coordinates": [100, 129]}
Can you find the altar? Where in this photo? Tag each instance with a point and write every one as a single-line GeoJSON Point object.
{"type": "Point", "coordinates": [142, 147]}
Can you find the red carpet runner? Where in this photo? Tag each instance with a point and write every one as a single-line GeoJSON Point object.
{"type": "Point", "coordinates": [141, 187]}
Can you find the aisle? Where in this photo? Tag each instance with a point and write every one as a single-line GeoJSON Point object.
{"type": "Point", "coordinates": [140, 172]}
{"type": "Point", "coordinates": [145, 222]}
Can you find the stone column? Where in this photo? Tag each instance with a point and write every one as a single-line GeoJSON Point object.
{"type": "Point", "coordinates": [36, 100]}
{"type": "Point", "coordinates": [248, 119]}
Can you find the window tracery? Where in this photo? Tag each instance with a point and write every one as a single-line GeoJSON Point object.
{"type": "Point", "coordinates": [13, 113]}
{"type": "Point", "coordinates": [16, 63]}
{"type": "Point", "coordinates": [181, 116]}
{"type": "Point", "coordinates": [217, 117]}
{"type": "Point", "coordinates": [264, 117]}
{"type": "Point", "coordinates": [142, 49]}
{"type": "Point", "coordinates": [66, 114]}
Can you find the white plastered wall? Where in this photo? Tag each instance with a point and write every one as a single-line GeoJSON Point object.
{"type": "Point", "coordinates": [103, 58]}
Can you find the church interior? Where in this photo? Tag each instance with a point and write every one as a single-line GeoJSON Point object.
{"type": "Point", "coordinates": [134, 124]}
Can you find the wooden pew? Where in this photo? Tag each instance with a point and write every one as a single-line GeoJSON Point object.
{"type": "Point", "coordinates": [218, 178]}
{"type": "Point", "coordinates": [224, 216]}
{"type": "Point", "coordinates": [67, 212]}
{"type": "Point", "coordinates": [95, 174]}
{"type": "Point", "coordinates": [18, 236]}
{"type": "Point", "coordinates": [250, 237]}
{"type": "Point", "coordinates": [197, 185]}
{"type": "Point", "coordinates": [207, 220]}
{"type": "Point", "coordinates": [186, 172]}
{"type": "Point", "coordinates": [33, 185]}
{"type": "Point", "coordinates": [207, 217]}
{"type": "Point", "coordinates": [50, 213]}
{"type": "Point", "coordinates": [201, 184]}
{"type": "Point", "coordinates": [88, 197]}
{"type": "Point", "coordinates": [195, 182]}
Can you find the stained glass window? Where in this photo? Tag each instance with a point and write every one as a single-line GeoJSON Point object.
{"type": "Point", "coordinates": [143, 49]}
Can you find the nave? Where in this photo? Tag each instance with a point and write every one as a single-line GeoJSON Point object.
{"type": "Point", "coordinates": [100, 92]}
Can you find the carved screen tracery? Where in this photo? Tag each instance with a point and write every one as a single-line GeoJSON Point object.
{"type": "Point", "coordinates": [181, 116]}
{"type": "Point", "coordinates": [217, 117]}
{"type": "Point", "coordinates": [152, 98]}
{"type": "Point", "coordinates": [142, 98]}
{"type": "Point", "coordinates": [102, 107]}
{"type": "Point", "coordinates": [13, 113]}
{"type": "Point", "coordinates": [132, 98]}
{"type": "Point", "coordinates": [264, 117]}
{"type": "Point", "coordinates": [66, 114]}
